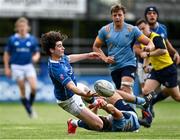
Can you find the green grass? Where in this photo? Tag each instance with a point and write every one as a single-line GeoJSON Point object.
{"type": "Point", "coordinates": [51, 124]}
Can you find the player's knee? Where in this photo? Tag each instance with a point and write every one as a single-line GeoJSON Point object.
{"type": "Point", "coordinates": [126, 86]}
{"type": "Point", "coordinates": [177, 98]}
{"type": "Point", "coordinates": [98, 125]}
{"type": "Point", "coordinates": [145, 91]}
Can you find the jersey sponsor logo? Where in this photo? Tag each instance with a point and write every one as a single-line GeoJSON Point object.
{"type": "Point", "coordinates": [126, 35]}
{"type": "Point", "coordinates": [22, 50]}
{"type": "Point", "coordinates": [129, 29]}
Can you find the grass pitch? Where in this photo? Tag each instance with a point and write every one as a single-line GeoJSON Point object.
{"type": "Point", "coordinates": [51, 124]}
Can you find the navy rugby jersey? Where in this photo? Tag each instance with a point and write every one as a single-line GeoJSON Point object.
{"type": "Point", "coordinates": [61, 73]}
{"type": "Point", "coordinates": [161, 30]}
{"type": "Point", "coordinates": [21, 49]}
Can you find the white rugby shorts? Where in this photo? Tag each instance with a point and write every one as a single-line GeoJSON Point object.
{"type": "Point", "coordinates": [20, 72]}
{"type": "Point", "coordinates": [73, 105]}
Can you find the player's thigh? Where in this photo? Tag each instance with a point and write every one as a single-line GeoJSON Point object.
{"type": "Point", "coordinates": [116, 96]}
{"type": "Point", "coordinates": [17, 72]}
{"type": "Point", "coordinates": [150, 85]}
{"type": "Point", "coordinates": [73, 105]}
{"type": "Point", "coordinates": [30, 74]}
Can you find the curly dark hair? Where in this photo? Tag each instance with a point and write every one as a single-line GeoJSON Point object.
{"type": "Point", "coordinates": [107, 126]}
{"type": "Point", "coordinates": [49, 39]}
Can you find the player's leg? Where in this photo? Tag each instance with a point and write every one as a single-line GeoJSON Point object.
{"type": "Point", "coordinates": [18, 75]}
{"type": "Point", "coordinates": [124, 78]}
{"type": "Point", "coordinates": [168, 78]}
{"type": "Point", "coordinates": [32, 84]}
{"type": "Point", "coordinates": [25, 102]}
{"type": "Point", "coordinates": [150, 85]}
{"type": "Point", "coordinates": [174, 93]}
{"type": "Point", "coordinates": [30, 74]}
{"type": "Point", "coordinates": [142, 101]}
{"type": "Point", "coordinates": [91, 119]}
{"type": "Point", "coordinates": [76, 107]}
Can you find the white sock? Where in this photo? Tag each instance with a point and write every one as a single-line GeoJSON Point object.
{"type": "Point", "coordinates": [74, 122]}
{"type": "Point", "coordinates": [95, 102]}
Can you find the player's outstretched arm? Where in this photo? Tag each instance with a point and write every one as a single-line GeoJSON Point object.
{"type": "Point", "coordinates": [78, 57]}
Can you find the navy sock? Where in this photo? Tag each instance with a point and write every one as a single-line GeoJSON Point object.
{"type": "Point", "coordinates": [121, 105]}
{"type": "Point", "coordinates": [31, 99]}
{"type": "Point", "coordinates": [160, 96]}
{"type": "Point", "coordinates": [26, 105]}
{"type": "Point", "coordinates": [83, 125]}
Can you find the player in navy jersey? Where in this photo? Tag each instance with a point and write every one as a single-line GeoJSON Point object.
{"type": "Point", "coordinates": [67, 93]}
{"type": "Point", "coordinates": [119, 38]}
{"type": "Point", "coordinates": [20, 53]}
{"type": "Point", "coordinates": [151, 15]}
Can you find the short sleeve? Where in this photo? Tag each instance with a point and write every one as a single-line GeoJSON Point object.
{"type": "Point", "coordinates": [158, 42]}
{"type": "Point", "coordinates": [101, 34]}
{"type": "Point", "coordinates": [137, 32]}
{"type": "Point", "coordinates": [35, 43]}
{"type": "Point", "coordinates": [60, 74]}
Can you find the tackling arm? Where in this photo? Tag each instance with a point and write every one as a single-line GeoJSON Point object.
{"type": "Point", "coordinates": [149, 46]}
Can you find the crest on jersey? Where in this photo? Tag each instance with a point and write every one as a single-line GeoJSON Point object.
{"type": "Point", "coordinates": [61, 76]}
{"type": "Point", "coordinates": [129, 28]}
{"type": "Point", "coordinates": [16, 43]}
{"type": "Point", "coordinates": [28, 43]}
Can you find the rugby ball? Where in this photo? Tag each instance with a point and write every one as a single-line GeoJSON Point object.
{"type": "Point", "coordinates": [104, 88]}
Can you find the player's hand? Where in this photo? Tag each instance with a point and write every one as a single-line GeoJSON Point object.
{"type": "Point", "coordinates": [8, 72]}
{"type": "Point", "coordinates": [147, 69]}
{"type": "Point", "coordinates": [101, 103]}
{"type": "Point", "coordinates": [94, 55]}
{"type": "Point", "coordinates": [35, 57]}
{"type": "Point", "coordinates": [143, 54]}
{"type": "Point", "coordinates": [109, 60]}
{"type": "Point", "coordinates": [91, 94]}
{"type": "Point", "coordinates": [176, 58]}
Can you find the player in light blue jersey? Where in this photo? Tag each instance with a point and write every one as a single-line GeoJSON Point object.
{"type": "Point", "coordinates": [122, 117]}
{"type": "Point", "coordinates": [119, 38]}
{"type": "Point", "coordinates": [67, 93]}
{"type": "Point", "coordinates": [21, 51]}
{"type": "Point", "coordinates": [151, 15]}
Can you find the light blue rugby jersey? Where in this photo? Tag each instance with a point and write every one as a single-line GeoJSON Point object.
{"type": "Point", "coordinates": [128, 124]}
{"type": "Point", "coordinates": [120, 44]}
{"type": "Point", "coordinates": [161, 30]}
{"type": "Point", "coordinates": [21, 49]}
{"type": "Point", "coordinates": [61, 73]}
